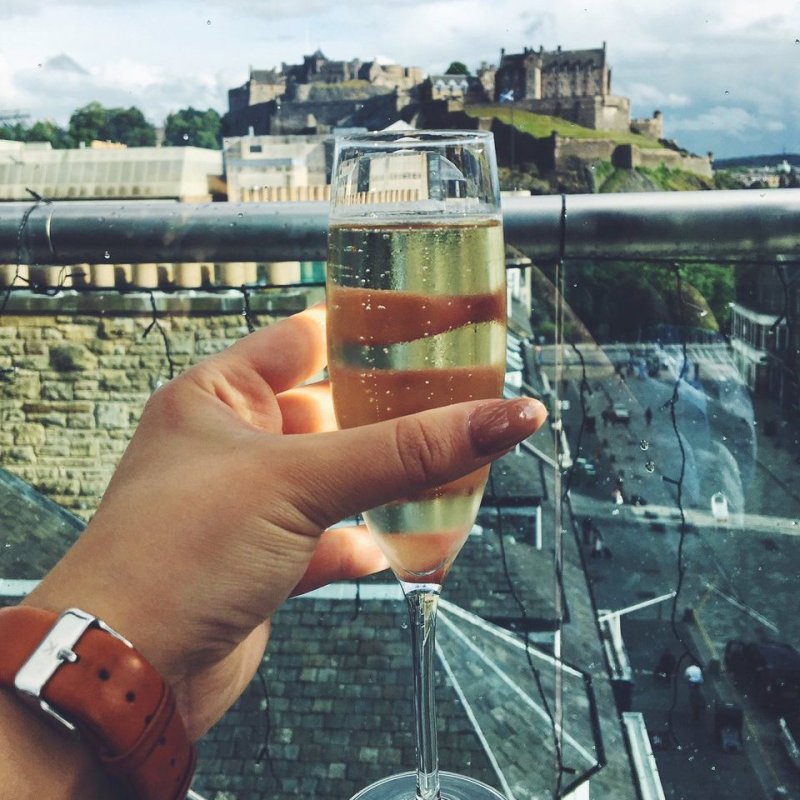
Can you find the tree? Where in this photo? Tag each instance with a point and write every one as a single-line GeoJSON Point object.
{"type": "Point", "coordinates": [15, 132]}
{"type": "Point", "coordinates": [86, 124]}
{"type": "Point", "coordinates": [40, 131]}
{"type": "Point", "coordinates": [47, 131]}
{"type": "Point", "coordinates": [457, 68]}
{"type": "Point", "coordinates": [191, 127]}
{"type": "Point", "coordinates": [128, 125]}
{"type": "Point", "coordinates": [123, 125]}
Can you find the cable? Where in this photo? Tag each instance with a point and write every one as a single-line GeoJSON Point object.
{"type": "Point", "coordinates": [157, 324]}
{"type": "Point", "coordinates": [246, 312]}
{"type": "Point", "coordinates": [672, 403]}
{"type": "Point", "coordinates": [537, 678]}
{"type": "Point", "coordinates": [264, 752]}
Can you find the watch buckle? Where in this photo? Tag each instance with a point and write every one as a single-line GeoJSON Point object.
{"type": "Point", "coordinates": [55, 650]}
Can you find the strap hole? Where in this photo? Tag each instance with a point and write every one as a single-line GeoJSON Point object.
{"type": "Point", "coordinates": [103, 674]}
{"type": "Point", "coordinates": [148, 719]}
{"type": "Point", "coordinates": [130, 697]}
{"type": "Point", "coordinates": [172, 762]}
{"type": "Point", "coordinates": [162, 741]}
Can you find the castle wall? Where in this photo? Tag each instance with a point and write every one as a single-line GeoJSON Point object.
{"type": "Point", "coordinates": [264, 92]}
{"type": "Point", "coordinates": [583, 149]}
{"type": "Point", "coordinates": [608, 113]}
{"type": "Point", "coordinates": [612, 113]}
{"type": "Point", "coordinates": [652, 127]}
{"type": "Point", "coordinates": [630, 156]}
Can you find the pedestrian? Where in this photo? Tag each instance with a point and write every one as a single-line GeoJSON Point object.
{"type": "Point", "coordinates": [599, 549]}
{"type": "Point", "coordinates": [586, 527]}
{"type": "Point", "coordinates": [648, 416]}
{"type": "Point", "coordinates": [697, 701]}
{"type": "Point", "coordinates": [693, 674]}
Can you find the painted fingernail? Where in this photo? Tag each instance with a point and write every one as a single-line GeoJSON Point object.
{"type": "Point", "coordinates": [500, 424]}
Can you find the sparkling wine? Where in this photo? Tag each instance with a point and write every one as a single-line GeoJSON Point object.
{"type": "Point", "coordinates": [416, 320]}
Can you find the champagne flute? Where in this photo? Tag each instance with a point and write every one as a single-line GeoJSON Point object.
{"type": "Point", "coordinates": [417, 319]}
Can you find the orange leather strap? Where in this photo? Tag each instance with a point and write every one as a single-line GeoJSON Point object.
{"type": "Point", "coordinates": [116, 700]}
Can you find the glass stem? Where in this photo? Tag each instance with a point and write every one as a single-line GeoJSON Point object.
{"type": "Point", "coordinates": [422, 601]}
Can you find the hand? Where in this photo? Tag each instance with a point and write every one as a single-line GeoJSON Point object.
{"type": "Point", "coordinates": [216, 512]}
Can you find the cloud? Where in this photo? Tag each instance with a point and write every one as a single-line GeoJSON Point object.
{"type": "Point", "coordinates": [124, 82]}
{"type": "Point", "coordinates": [162, 55]}
{"type": "Point", "coordinates": [737, 122]}
{"type": "Point", "coordinates": [9, 9]}
{"type": "Point", "coordinates": [647, 95]}
{"type": "Point", "coordinates": [64, 63]}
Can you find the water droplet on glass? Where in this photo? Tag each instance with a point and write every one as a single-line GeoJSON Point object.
{"type": "Point", "coordinates": [404, 626]}
{"type": "Point", "coordinates": [650, 466]}
{"type": "Point", "coordinates": [208, 22]}
{"type": "Point", "coordinates": [644, 444]}
{"type": "Point", "coordinates": [106, 255]}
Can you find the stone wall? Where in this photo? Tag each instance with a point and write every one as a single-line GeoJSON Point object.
{"type": "Point", "coordinates": [76, 371]}
{"type": "Point", "coordinates": [583, 149]}
{"type": "Point", "coordinates": [629, 156]}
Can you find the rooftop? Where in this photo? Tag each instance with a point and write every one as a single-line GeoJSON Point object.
{"type": "Point", "coordinates": [337, 703]}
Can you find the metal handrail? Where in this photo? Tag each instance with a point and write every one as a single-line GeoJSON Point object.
{"type": "Point", "coordinates": [738, 226]}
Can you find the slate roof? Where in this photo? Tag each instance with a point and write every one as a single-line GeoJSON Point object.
{"type": "Point", "coordinates": [330, 710]}
{"type": "Point", "coordinates": [336, 678]}
{"type": "Point", "coordinates": [34, 531]}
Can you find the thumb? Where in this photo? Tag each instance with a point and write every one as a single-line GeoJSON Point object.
{"type": "Point", "coordinates": [359, 468]}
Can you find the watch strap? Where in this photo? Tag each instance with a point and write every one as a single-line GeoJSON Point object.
{"type": "Point", "coordinates": [117, 701]}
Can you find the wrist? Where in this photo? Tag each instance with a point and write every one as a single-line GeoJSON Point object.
{"type": "Point", "coordinates": [38, 760]}
{"type": "Point", "coordinates": [77, 670]}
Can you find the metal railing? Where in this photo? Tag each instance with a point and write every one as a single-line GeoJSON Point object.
{"type": "Point", "coordinates": [737, 226]}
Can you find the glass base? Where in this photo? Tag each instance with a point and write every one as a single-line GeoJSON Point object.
{"type": "Point", "coordinates": [404, 787]}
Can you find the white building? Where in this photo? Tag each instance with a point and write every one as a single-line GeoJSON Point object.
{"type": "Point", "coordinates": [754, 336]}
{"type": "Point", "coordinates": [189, 174]}
{"type": "Point", "coordinates": [285, 168]}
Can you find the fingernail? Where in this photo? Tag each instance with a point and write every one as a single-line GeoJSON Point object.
{"type": "Point", "coordinates": [500, 424]}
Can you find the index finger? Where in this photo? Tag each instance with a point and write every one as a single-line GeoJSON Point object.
{"type": "Point", "coordinates": [284, 354]}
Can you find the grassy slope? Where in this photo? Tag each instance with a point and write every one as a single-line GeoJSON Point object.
{"type": "Point", "coordinates": [541, 126]}
{"type": "Point", "coordinates": [608, 179]}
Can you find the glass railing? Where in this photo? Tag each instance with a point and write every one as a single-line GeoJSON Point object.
{"type": "Point", "coordinates": [652, 525]}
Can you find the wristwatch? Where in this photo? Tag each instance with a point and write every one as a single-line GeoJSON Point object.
{"type": "Point", "coordinates": [76, 670]}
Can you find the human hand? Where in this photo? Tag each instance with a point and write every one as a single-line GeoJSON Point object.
{"type": "Point", "coordinates": [216, 512]}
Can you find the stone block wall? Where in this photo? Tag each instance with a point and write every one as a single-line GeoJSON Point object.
{"type": "Point", "coordinates": [76, 371]}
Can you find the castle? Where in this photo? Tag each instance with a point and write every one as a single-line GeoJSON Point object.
{"type": "Point", "coordinates": [303, 98]}
{"type": "Point", "coordinates": [320, 95]}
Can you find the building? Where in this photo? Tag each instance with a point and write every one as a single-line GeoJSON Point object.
{"type": "Point", "coordinates": [751, 338]}
{"type": "Point", "coordinates": [278, 167]}
{"type": "Point", "coordinates": [764, 335]}
{"type": "Point", "coordinates": [572, 84]}
{"type": "Point", "coordinates": [456, 89]}
{"type": "Point", "coordinates": [187, 174]}
{"type": "Point", "coordinates": [319, 94]}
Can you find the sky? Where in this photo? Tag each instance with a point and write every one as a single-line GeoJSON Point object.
{"type": "Point", "coordinates": [724, 73]}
